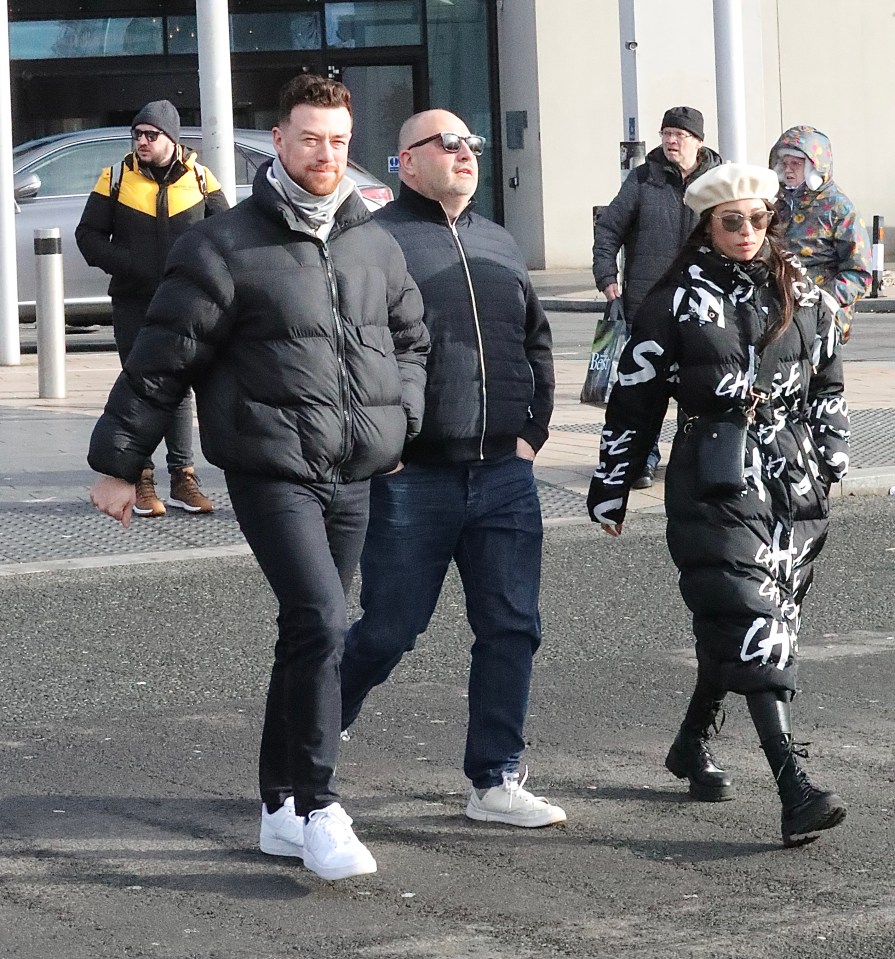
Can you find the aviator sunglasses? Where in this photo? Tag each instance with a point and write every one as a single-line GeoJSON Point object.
{"type": "Point", "coordinates": [450, 143]}
{"type": "Point", "coordinates": [151, 135]}
{"type": "Point", "coordinates": [732, 222]}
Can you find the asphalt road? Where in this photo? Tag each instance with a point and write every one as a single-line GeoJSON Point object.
{"type": "Point", "coordinates": [130, 705]}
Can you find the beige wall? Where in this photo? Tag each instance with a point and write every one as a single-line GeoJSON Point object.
{"type": "Point", "coordinates": [820, 62]}
{"type": "Point", "coordinates": [524, 205]}
{"type": "Point", "coordinates": [580, 101]}
{"type": "Point", "coordinates": [849, 93]}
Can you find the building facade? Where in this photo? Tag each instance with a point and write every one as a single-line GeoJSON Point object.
{"type": "Point", "coordinates": [77, 65]}
{"type": "Point", "coordinates": [541, 79]}
{"type": "Point", "coordinates": [824, 63]}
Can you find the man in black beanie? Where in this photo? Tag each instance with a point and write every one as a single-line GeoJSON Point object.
{"type": "Point", "coordinates": [648, 218]}
{"type": "Point", "coordinates": [133, 216]}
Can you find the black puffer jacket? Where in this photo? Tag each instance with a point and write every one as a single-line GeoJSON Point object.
{"type": "Point", "coordinates": [745, 561]}
{"type": "Point", "coordinates": [648, 218]}
{"type": "Point", "coordinates": [490, 372]}
{"type": "Point", "coordinates": [307, 358]}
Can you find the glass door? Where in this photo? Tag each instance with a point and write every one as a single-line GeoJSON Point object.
{"type": "Point", "coordinates": [382, 98]}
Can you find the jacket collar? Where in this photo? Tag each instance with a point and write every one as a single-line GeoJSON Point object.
{"type": "Point", "coordinates": [352, 212]}
{"type": "Point", "coordinates": [663, 167]}
{"type": "Point", "coordinates": [180, 164]}
{"type": "Point", "coordinates": [422, 206]}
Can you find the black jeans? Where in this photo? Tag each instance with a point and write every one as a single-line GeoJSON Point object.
{"type": "Point", "coordinates": [128, 317]}
{"type": "Point", "coordinates": [307, 540]}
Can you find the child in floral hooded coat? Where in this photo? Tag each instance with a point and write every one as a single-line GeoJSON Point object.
{"type": "Point", "coordinates": [822, 227]}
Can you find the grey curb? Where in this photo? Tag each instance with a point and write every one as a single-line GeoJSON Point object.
{"type": "Point", "coordinates": [861, 481]}
{"type": "Point", "coordinates": [559, 304]}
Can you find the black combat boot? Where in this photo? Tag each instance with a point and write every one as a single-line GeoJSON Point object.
{"type": "Point", "coordinates": [807, 811]}
{"type": "Point", "coordinates": [690, 756]}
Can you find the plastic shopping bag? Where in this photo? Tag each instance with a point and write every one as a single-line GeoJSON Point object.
{"type": "Point", "coordinates": [609, 341]}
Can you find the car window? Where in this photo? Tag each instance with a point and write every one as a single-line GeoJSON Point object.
{"type": "Point", "coordinates": [251, 160]}
{"type": "Point", "coordinates": [75, 169]}
{"type": "Point", "coordinates": [246, 160]}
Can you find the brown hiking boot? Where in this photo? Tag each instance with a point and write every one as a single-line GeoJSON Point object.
{"type": "Point", "coordinates": [185, 492]}
{"type": "Point", "coordinates": [148, 503]}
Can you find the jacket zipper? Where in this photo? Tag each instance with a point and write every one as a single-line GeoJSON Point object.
{"type": "Point", "coordinates": [478, 333]}
{"type": "Point", "coordinates": [344, 391]}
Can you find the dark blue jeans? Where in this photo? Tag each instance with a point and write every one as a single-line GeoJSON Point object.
{"type": "Point", "coordinates": [307, 540]}
{"type": "Point", "coordinates": [128, 318]}
{"type": "Point", "coordinates": [487, 518]}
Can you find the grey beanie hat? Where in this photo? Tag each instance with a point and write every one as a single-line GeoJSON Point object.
{"type": "Point", "coordinates": [163, 115]}
{"type": "Point", "coordinates": [685, 118]}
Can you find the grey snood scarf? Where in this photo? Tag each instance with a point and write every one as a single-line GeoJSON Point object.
{"type": "Point", "coordinates": [317, 212]}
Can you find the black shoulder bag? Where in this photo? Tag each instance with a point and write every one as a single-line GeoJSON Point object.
{"type": "Point", "coordinates": [721, 441]}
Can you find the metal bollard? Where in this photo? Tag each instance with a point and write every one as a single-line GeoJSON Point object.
{"type": "Point", "coordinates": [878, 258]}
{"type": "Point", "coordinates": [50, 308]}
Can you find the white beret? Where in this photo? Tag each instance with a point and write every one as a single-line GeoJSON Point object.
{"type": "Point", "coordinates": [731, 181]}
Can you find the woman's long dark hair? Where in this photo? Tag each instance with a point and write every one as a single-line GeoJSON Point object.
{"type": "Point", "coordinates": [784, 272]}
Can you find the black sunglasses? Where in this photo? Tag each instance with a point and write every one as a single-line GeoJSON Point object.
{"type": "Point", "coordinates": [151, 135]}
{"type": "Point", "coordinates": [450, 143]}
{"type": "Point", "coordinates": [732, 222]}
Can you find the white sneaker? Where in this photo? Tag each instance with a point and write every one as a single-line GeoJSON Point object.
{"type": "Point", "coordinates": [282, 832]}
{"type": "Point", "coordinates": [512, 804]}
{"type": "Point", "coordinates": [331, 848]}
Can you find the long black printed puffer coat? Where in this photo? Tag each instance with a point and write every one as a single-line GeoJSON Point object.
{"type": "Point", "coordinates": [307, 358]}
{"type": "Point", "coordinates": [745, 561]}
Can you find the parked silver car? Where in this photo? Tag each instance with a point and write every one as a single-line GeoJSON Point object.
{"type": "Point", "coordinates": [54, 175]}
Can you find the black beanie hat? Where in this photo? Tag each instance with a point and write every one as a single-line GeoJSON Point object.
{"type": "Point", "coordinates": [685, 118]}
{"type": "Point", "coordinates": [162, 114]}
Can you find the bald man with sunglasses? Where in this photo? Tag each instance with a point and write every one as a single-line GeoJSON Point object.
{"type": "Point", "coordinates": [465, 488]}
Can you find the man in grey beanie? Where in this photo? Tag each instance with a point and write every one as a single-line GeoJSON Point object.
{"type": "Point", "coordinates": [132, 218]}
{"type": "Point", "coordinates": [648, 218]}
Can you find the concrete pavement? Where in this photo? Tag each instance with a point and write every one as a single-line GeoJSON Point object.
{"type": "Point", "coordinates": [45, 519]}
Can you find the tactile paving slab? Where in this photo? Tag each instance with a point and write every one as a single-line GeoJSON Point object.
{"type": "Point", "coordinates": [58, 528]}
{"type": "Point", "coordinates": [872, 436]}
{"type": "Point", "coordinates": [560, 503]}
{"type": "Point", "coordinates": [41, 531]}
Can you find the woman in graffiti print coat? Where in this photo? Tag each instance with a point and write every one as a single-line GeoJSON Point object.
{"type": "Point", "coordinates": [745, 559]}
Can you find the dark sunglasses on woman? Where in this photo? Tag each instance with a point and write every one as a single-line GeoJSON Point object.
{"type": "Point", "coordinates": [732, 222]}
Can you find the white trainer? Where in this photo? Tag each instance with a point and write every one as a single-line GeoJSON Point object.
{"type": "Point", "coordinates": [331, 848]}
{"type": "Point", "coordinates": [510, 803]}
{"type": "Point", "coordinates": [282, 832]}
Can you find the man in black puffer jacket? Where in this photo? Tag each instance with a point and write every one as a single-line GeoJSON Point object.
{"type": "Point", "coordinates": [648, 218]}
{"type": "Point", "coordinates": [294, 318]}
{"type": "Point", "coordinates": [466, 491]}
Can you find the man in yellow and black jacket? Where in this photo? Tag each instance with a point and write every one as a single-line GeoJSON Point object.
{"type": "Point", "coordinates": [132, 218]}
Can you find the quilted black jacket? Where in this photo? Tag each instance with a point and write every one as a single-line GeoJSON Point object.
{"type": "Point", "coordinates": [490, 373]}
{"type": "Point", "coordinates": [648, 218]}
